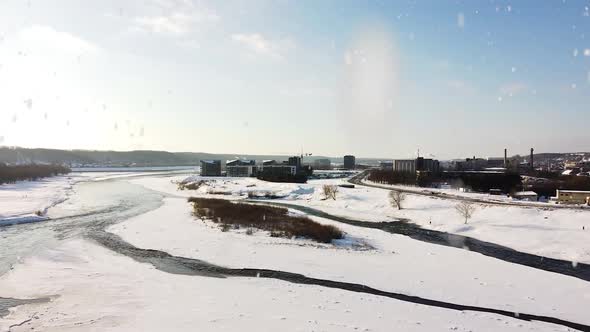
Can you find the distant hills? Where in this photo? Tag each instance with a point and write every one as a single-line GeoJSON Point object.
{"type": "Point", "coordinates": [163, 158]}
{"type": "Point", "coordinates": [135, 158]}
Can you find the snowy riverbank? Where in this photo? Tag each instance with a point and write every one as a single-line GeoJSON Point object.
{"type": "Point", "coordinates": [94, 288]}
{"type": "Point", "coordinates": [28, 201]}
{"type": "Point", "coordinates": [556, 233]}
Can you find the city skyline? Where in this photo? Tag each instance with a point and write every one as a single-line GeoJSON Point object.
{"type": "Point", "coordinates": [377, 80]}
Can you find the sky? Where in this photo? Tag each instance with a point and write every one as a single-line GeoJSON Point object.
{"type": "Point", "coordinates": [451, 79]}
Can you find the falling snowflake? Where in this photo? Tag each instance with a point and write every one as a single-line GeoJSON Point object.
{"type": "Point", "coordinates": [575, 52]}
{"type": "Point", "coordinates": [348, 58]}
{"type": "Point", "coordinates": [29, 103]}
{"type": "Point", "coordinates": [513, 69]}
{"type": "Point", "coordinates": [574, 85]}
{"type": "Point", "coordinates": [587, 52]}
{"type": "Point", "coordinates": [461, 20]}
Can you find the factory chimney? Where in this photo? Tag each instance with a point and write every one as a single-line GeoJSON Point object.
{"type": "Point", "coordinates": [505, 158]}
{"type": "Point", "coordinates": [532, 151]}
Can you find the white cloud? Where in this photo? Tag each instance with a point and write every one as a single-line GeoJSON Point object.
{"type": "Point", "coordinates": [45, 37]}
{"type": "Point", "coordinates": [306, 91]}
{"type": "Point", "coordinates": [175, 24]}
{"type": "Point", "coordinates": [179, 17]}
{"type": "Point", "coordinates": [259, 44]}
{"type": "Point", "coordinates": [513, 88]}
{"type": "Point", "coordinates": [461, 86]}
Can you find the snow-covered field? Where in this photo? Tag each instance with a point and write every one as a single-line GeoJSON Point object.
{"type": "Point", "coordinates": [93, 288]}
{"type": "Point", "coordinates": [396, 263]}
{"type": "Point", "coordinates": [556, 233]}
{"type": "Point", "coordinates": [29, 200]}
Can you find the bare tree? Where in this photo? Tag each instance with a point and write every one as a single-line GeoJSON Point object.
{"type": "Point", "coordinates": [466, 210]}
{"type": "Point", "coordinates": [397, 198]}
{"type": "Point", "coordinates": [330, 191]}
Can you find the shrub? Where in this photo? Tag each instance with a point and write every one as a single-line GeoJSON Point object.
{"type": "Point", "coordinates": [465, 210]}
{"type": "Point", "coordinates": [397, 198]}
{"type": "Point", "coordinates": [330, 191]}
{"type": "Point", "coordinates": [276, 220]}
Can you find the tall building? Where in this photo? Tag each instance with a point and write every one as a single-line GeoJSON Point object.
{"type": "Point", "coordinates": [404, 165]}
{"type": "Point", "coordinates": [419, 164]}
{"type": "Point", "coordinates": [349, 162]}
{"type": "Point", "coordinates": [211, 167]}
{"type": "Point", "coordinates": [295, 161]}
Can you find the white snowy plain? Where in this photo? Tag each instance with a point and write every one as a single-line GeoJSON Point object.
{"type": "Point", "coordinates": [95, 289]}
{"type": "Point", "coordinates": [556, 233]}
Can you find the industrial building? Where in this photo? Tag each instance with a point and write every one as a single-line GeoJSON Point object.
{"type": "Point", "coordinates": [272, 167]}
{"type": "Point", "coordinates": [211, 167]}
{"type": "Point", "coordinates": [572, 197]}
{"type": "Point", "coordinates": [241, 168]}
{"type": "Point", "coordinates": [287, 171]}
{"type": "Point", "coordinates": [349, 162]}
{"type": "Point", "coordinates": [419, 164]}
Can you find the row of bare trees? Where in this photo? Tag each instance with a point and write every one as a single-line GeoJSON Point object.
{"type": "Point", "coordinates": [464, 208]}
{"type": "Point", "coordinates": [397, 198]}
{"type": "Point", "coordinates": [32, 172]}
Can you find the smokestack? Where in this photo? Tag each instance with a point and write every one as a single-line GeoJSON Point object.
{"type": "Point", "coordinates": [505, 158]}
{"type": "Point", "coordinates": [532, 151]}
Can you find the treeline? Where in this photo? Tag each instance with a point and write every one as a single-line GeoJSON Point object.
{"type": "Point", "coordinates": [392, 177]}
{"type": "Point", "coordinates": [32, 172]}
{"type": "Point", "coordinates": [481, 182]}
